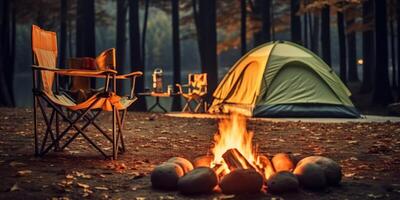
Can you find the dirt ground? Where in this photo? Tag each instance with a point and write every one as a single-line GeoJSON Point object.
{"type": "Point", "coordinates": [369, 154]}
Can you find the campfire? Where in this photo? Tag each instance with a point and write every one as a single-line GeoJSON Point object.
{"type": "Point", "coordinates": [236, 166]}
{"type": "Point", "coordinates": [233, 149]}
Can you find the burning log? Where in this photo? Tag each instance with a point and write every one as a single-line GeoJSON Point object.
{"type": "Point", "coordinates": [266, 166]}
{"type": "Point", "coordinates": [235, 160]}
{"type": "Point", "coordinates": [219, 169]}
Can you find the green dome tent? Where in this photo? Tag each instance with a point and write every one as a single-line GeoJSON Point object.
{"type": "Point", "coordinates": [282, 79]}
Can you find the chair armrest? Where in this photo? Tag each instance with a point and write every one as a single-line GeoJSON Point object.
{"type": "Point", "coordinates": [129, 75]}
{"type": "Point", "coordinates": [132, 76]}
{"type": "Point", "coordinates": [77, 72]}
{"type": "Point", "coordinates": [180, 88]}
{"type": "Point", "coordinates": [35, 67]}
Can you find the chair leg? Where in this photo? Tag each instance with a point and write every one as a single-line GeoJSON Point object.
{"type": "Point", "coordinates": [80, 131]}
{"type": "Point", "coordinates": [114, 136]}
{"type": "Point", "coordinates": [57, 145]}
{"type": "Point", "coordinates": [198, 106]}
{"type": "Point", "coordinates": [35, 126]}
{"type": "Point", "coordinates": [48, 123]}
{"type": "Point", "coordinates": [89, 121]}
{"type": "Point", "coordinates": [187, 107]}
{"type": "Point", "coordinates": [48, 130]}
{"type": "Point", "coordinates": [71, 124]}
{"type": "Point", "coordinates": [122, 127]}
{"type": "Point", "coordinates": [120, 131]}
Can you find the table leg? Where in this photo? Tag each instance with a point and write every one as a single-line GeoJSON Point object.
{"type": "Point", "coordinates": [152, 107]}
{"type": "Point", "coordinates": [159, 105]}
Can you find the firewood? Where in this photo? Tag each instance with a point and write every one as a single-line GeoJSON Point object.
{"type": "Point", "coordinates": [266, 166]}
{"type": "Point", "coordinates": [235, 160]}
{"type": "Point", "coordinates": [219, 169]}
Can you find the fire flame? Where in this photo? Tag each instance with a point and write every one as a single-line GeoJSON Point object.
{"type": "Point", "coordinates": [232, 133]}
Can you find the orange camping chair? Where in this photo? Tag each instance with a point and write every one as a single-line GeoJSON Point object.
{"type": "Point", "coordinates": [196, 92]}
{"type": "Point", "coordinates": [46, 92]}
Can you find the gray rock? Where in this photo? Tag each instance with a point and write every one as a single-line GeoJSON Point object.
{"type": "Point", "coordinates": [282, 162]}
{"type": "Point", "coordinates": [203, 161]}
{"type": "Point", "coordinates": [241, 181]}
{"type": "Point", "coordinates": [186, 165]}
{"type": "Point", "coordinates": [332, 170]}
{"type": "Point", "coordinates": [311, 176]}
{"type": "Point", "coordinates": [199, 180]}
{"type": "Point", "coordinates": [282, 182]}
{"type": "Point", "coordinates": [166, 176]}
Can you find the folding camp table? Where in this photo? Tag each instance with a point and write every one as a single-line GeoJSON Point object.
{"type": "Point", "coordinates": [158, 96]}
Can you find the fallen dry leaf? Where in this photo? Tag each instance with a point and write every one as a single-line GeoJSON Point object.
{"type": "Point", "coordinates": [83, 175]}
{"type": "Point", "coordinates": [69, 176]}
{"type": "Point", "coordinates": [60, 198]}
{"type": "Point", "coordinates": [24, 173]}
{"type": "Point", "coordinates": [375, 196]}
{"type": "Point", "coordinates": [353, 142]}
{"type": "Point", "coordinates": [17, 164]}
{"type": "Point", "coordinates": [349, 174]}
{"type": "Point", "coordinates": [166, 197]}
{"type": "Point", "coordinates": [224, 197]}
{"type": "Point", "coordinates": [15, 187]}
{"type": "Point", "coordinates": [82, 185]}
{"type": "Point", "coordinates": [100, 188]}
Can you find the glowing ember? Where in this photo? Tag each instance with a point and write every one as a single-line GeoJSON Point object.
{"type": "Point", "coordinates": [232, 134]}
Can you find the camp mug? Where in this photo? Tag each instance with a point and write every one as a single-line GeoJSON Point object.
{"type": "Point", "coordinates": [170, 89]}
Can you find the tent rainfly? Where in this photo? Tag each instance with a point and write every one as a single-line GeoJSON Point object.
{"type": "Point", "coordinates": [283, 79]}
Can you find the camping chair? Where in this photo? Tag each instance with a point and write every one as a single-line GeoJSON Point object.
{"type": "Point", "coordinates": [196, 92]}
{"type": "Point", "coordinates": [45, 77]}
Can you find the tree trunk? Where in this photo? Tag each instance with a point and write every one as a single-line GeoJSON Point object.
{"type": "Point", "coordinates": [63, 33]}
{"type": "Point", "coordinates": [121, 40]}
{"type": "Point", "coordinates": [295, 22]}
{"type": "Point", "coordinates": [10, 59]}
{"type": "Point", "coordinates": [398, 48]}
{"type": "Point", "coordinates": [352, 52]}
{"type": "Point", "coordinates": [5, 96]}
{"type": "Point", "coordinates": [85, 31]}
{"type": "Point", "coordinates": [392, 48]}
{"type": "Point", "coordinates": [310, 30]}
{"type": "Point", "coordinates": [326, 34]}
{"type": "Point", "coordinates": [176, 103]}
{"type": "Point", "coordinates": [266, 21]}
{"type": "Point", "coordinates": [197, 25]}
{"type": "Point", "coordinates": [146, 14]}
{"type": "Point", "coordinates": [208, 36]}
{"type": "Point", "coordinates": [368, 47]}
{"type": "Point", "coordinates": [272, 21]}
{"type": "Point", "coordinates": [305, 30]}
{"type": "Point", "coordinates": [70, 34]}
{"type": "Point", "coordinates": [382, 93]}
{"type": "Point", "coordinates": [243, 18]}
{"type": "Point", "coordinates": [136, 62]}
{"type": "Point", "coordinates": [315, 34]}
{"type": "Point", "coordinates": [63, 39]}
{"type": "Point", "coordinates": [342, 46]}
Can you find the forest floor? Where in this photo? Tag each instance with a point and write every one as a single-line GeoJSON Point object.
{"type": "Point", "coordinates": [369, 154]}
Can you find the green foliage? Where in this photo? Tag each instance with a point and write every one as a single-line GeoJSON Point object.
{"type": "Point", "coordinates": [46, 13]}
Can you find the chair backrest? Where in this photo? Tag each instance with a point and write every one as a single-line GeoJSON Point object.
{"type": "Point", "coordinates": [44, 51]}
{"type": "Point", "coordinates": [106, 59]}
{"type": "Point", "coordinates": [81, 83]}
{"type": "Point", "coordinates": [198, 83]}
